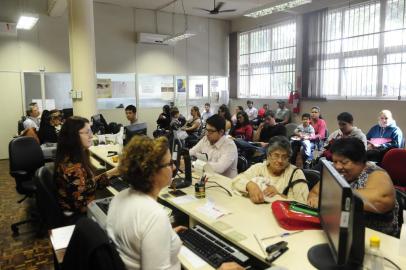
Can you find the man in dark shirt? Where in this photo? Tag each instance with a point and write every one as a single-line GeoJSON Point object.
{"type": "Point", "coordinates": [268, 129]}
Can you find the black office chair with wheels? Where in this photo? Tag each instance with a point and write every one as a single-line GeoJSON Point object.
{"type": "Point", "coordinates": [312, 177]}
{"type": "Point", "coordinates": [25, 157]}
{"type": "Point", "coordinates": [90, 248]}
{"type": "Point", "coordinates": [51, 214]}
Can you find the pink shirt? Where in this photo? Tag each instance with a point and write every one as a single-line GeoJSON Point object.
{"type": "Point", "coordinates": [320, 129]}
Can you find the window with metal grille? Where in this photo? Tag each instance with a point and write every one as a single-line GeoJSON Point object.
{"type": "Point", "coordinates": [267, 59]}
{"type": "Point", "coordinates": [361, 51]}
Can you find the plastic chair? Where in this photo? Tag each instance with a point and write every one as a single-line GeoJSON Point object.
{"type": "Point", "coordinates": [290, 128]}
{"type": "Point", "coordinates": [25, 157]}
{"type": "Point", "coordinates": [394, 163]}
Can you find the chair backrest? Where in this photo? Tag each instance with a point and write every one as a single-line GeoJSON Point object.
{"type": "Point", "coordinates": [312, 177]}
{"type": "Point", "coordinates": [401, 198]}
{"type": "Point", "coordinates": [394, 163]}
{"type": "Point", "coordinates": [242, 164]}
{"type": "Point", "coordinates": [25, 157]}
{"type": "Point", "coordinates": [46, 198]}
{"type": "Point", "coordinates": [290, 128]}
{"type": "Point", "coordinates": [20, 124]}
{"type": "Point", "coordinates": [90, 248]}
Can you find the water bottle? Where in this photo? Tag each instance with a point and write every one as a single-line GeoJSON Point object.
{"type": "Point", "coordinates": [374, 259]}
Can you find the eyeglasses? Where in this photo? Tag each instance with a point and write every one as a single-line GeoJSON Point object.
{"type": "Point", "coordinates": [89, 132]}
{"type": "Point", "coordinates": [315, 111]}
{"type": "Point", "coordinates": [211, 130]}
{"type": "Point", "coordinates": [169, 164]}
{"type": "Point", "coordinates": [275, 156]}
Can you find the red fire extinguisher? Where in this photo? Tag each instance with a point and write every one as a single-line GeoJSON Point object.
{"type": "Point", "coordinates": [294, 100]}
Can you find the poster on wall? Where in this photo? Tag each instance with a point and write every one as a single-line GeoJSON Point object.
{"type": "Point", "coordinates": [167, 92]}
{"type": "Point", "coordinates": [181, 85]}
{"type": "Point", "coordinates": [199, 90]}
{"type": "Point", "coordinates": [103, 88]}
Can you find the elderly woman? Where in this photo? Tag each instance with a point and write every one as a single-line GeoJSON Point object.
{"type": "Point", "coordinates": [275, 176]}
{"type": "Point", "coordinates": [383, 136]}
{"type": "Point", "coordinates": [136, 222]}
{"type": "Point", "coordinates": [371, 182]}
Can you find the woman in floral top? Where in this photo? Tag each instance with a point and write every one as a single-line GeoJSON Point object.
{"type": "Point", "coordinates": [75, 180]}
{"type": "Point", "coordinates": [371, 182]}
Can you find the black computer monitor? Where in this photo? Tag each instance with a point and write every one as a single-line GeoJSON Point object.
{"type": "Point", "coordinates": [135, 129]}
{"type": "Point", "coordinates": [67, 112]}
{"type": "Point", "coordinates": [341, 216]}
{"type": "Point", "coordinates": [179, 151]}
{"type": "Point", "coordinates": [99, 124]}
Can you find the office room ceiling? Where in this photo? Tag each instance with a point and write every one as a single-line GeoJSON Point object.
{"type": "Point", "coordinates": [241, 6]}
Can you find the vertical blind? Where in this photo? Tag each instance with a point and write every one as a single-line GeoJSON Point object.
{"type": "Point", "coordinates": [267, 59]}
{"type": "Point", "coordinates": [359, 51]}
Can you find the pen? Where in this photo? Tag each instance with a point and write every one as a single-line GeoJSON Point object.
{"type": "Point", "coordinates": [260, 244]}
{"type": "Point", "coordinates": [281, 235]}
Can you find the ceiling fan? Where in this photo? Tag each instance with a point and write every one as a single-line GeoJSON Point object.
{"type": "Point", "coordinates": [216, 9]}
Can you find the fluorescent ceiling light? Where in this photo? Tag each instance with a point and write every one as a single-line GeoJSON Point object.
{"type": "Point", "coordinates": [178, 37]}
{"type": "Point", "coordinates": [27, 21]}
{"type": "Point", "coordinates": [277, 8]}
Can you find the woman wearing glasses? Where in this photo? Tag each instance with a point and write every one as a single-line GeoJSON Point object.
{"type": "Point", "coordinates": [275, 176]}
{"type": "Point", "coordinates": [75, 180]}
{"type": "Point", "coordinates": [136, 222]}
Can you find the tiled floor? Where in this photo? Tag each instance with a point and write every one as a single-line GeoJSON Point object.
{"type": "Point", "coordinates": [25, 251]}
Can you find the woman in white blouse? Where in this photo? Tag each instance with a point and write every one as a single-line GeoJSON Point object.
{"type": "Point", "coordinates": [137, 224]}
{"type": "Point", "coordinates": [275, 176]}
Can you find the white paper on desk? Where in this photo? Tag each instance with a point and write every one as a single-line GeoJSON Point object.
{"type": "Point", "coordinates": [192, 258]}
{"type": "Point", "coordinates": [184, 199]}
{"type": "Point", "coordinates": [213, 211]}
{"type": "Point", "coordinates": [60, 237]}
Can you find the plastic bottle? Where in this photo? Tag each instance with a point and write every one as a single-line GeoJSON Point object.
{"type": "Point", "coordinates": [402, 240]}
{"type": "Point", "coordinates": [375, 258]}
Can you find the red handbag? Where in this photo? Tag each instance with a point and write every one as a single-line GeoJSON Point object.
{"type": "Point", "coordinates": [292, 220]}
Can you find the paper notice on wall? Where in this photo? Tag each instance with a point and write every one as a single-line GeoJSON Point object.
{"type": "Point", "coordinates": [167, 93]}
{"type": "Point", "coordinates": [199, 90]}
{"type": "Point", "coordinates": [103, 88]}
{"type": "Point", "coordinates": [49, 104]}
{"type": "Point", "coordinates": [181, 85]}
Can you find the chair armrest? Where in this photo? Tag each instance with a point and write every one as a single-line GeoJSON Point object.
{"type": "Point", "coordinates": [18, 173]}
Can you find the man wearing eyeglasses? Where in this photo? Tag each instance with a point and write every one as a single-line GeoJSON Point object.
{"type": "Point", "coordinates": [221, 151]}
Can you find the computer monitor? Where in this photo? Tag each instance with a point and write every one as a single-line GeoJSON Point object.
{"type": "Point", "coordinates": [179, 151]}
{"type": "Point", "coordinates": [341, 216]}
{"type": "Point", "coordinates": [67, 112]}
{"type": "Point", "coordinates": [135, 129]}
{"type": "Point", "coordinates": [99, 124]}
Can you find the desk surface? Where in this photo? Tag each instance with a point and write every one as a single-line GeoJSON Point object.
{"type": "Point", "coordinates": [247, 218]}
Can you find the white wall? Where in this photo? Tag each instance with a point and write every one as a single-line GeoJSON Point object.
{"type": "Point", "coordinates": [46, 46]}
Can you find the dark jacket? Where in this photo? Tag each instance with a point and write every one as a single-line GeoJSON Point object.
{"type": "Point", "coordinates": [90, 248]}
{"type": "Point", "coordinates": [391, 131]}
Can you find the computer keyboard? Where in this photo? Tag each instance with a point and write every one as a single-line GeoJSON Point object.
{"type": "Point", "coordinates": [211, 248]}
{"type": "Point", "coordinates": [118, 184]}
{"type": "Point", "coordinates": [104, 204]}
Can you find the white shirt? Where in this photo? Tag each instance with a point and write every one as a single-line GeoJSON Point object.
{"type": "Point", "coordinates": [222, 156]}
{"type": "Point", "coordinates": [206, 115]}
{"type": "Point", "coordinates": [142, 233]}
{"type": "Point", "coordinates": [252, 113]}
{"type": "Point", "coordinates": [259, 174]}
{"type": "Point", "coordinates": [31, 122]}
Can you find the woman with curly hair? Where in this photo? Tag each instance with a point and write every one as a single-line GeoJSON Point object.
{"type": "Point", "coordinates": [136, 222]}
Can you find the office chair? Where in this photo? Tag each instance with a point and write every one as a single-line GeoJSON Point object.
{"type": "Point", "coordinates": [51, 214]}
{"type": "Point", "coordinates": [25, 157]}
{"type": "Point", "coordinates": [312, 177]}
{"type": "Point", "coordinates": [90, 248]}
{"type": "Point", "coordinates": [394, 163]}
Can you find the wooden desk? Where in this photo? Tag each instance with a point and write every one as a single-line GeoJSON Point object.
{"type": "Point", "coordinates": [247, 218]}
{"type": "Point", "coordinates": [100, 152]}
